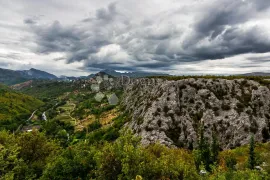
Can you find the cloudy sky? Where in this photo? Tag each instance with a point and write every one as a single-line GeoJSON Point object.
{"type": "Point", "coordinates": [172, 36]}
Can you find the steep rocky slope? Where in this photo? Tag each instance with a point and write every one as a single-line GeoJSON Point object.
{"type": "Point", "coordinates": [172, 112]}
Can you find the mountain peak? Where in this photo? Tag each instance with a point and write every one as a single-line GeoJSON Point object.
{"type": "Point", "coordinates": [135, 74]}
{"type": "Point", "coordinates": [108, 70]}
{"type": "Point", "coordinates": [33, 69]}
{"type": "Point", "coordinates": [37, 74]}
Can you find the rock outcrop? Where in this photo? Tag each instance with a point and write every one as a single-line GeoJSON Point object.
{"type": "Point", "coordinates": [172, 112]}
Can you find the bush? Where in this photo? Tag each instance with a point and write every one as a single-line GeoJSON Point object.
{"type": "Point", "coordinates": [126, 158]}
{"type": "Point", "coordinates": [76, 162]}
{"type": "Point", "coordinates": [230, 161]}
{"type": "Point", "coordinates": [94, 126]}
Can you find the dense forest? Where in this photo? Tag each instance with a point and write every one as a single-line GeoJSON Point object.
{"type": "Point", "coordinates": [35, 156]}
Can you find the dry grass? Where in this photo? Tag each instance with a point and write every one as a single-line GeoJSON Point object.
{"type": "Point", "coordinates": [107, 117]}
{"type": "Point", "coordinates": [80, 125]}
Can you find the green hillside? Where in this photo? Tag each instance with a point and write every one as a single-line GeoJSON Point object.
{"type": "Point", "coordinates": [10, 77]}
{"type": "Point", "coordinates": [48, 89]}
{"type": "Point", "coordinates": [15, 107]}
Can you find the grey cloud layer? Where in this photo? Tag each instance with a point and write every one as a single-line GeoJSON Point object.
{"type": "Point", "coordinates": [113, 38]}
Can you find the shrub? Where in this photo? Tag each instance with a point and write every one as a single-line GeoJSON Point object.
{"type": "Point", "coordinates": [76, 162]}
{"type": "Point", "coordinates": [220, 93]}
{"type": "Point", "coordinates": [94, 126]}
{"type": "Point", "coordinates": [251, 159]}
{"type": "Point", "coordinates": [230, 160]}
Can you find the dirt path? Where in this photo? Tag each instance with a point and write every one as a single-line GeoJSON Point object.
{"type": "Point", "coordinates": [21, 125]}
{"type": "Point", "coordinates": [74, 105]}
{"type": "Point", "coordinates": [32, 115]}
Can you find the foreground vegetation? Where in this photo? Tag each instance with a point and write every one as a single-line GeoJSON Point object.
{"type": "Point", "coordinates": [15, 108]}
{"type": "Point", "coordinates": [34, 156]}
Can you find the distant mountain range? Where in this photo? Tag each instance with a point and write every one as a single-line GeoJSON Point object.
{"type": "Point", "coordinates": [36, 74]}
{"type": "Point", "coordinates": [10, 77]}
{"type": "Point", "coordinates": [257, 74]}
{"type": "Point", "coordinates": [137, 74]}
{"type": "Point", "coordinates": [110, 72]}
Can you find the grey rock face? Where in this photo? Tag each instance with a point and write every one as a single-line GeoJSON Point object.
{"type": "Point", "coordinates": [171, 112]}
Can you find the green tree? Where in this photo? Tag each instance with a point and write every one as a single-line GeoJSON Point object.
{"type": "Point", "coordinates": [36, 151]}
{"type": "Point", "coordinates": [204, 153]}
{"type": "Point", "coordinates": [120, 159]}
{"type": "Point", "coordinates": [251, 159]}
{"type": "Point", "coordinates": [63, 137]}
{"type": "Point", "coordinates": [214, 148]}
{"type": "Point", "coordinates": [9, 160]}
{"type": "Point", "coordinates": [76, 162]}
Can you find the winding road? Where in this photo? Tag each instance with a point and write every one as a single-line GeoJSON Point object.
{"type": "Point", "coordinates": [32, 115]}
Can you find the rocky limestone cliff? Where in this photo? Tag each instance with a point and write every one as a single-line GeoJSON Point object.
{"type": "Point", "coordinates": [171, 112]}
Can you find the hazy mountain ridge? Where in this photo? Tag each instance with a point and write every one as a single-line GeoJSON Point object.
{"type": "Point", "coordinates": [37, 74]}
{"type": "Point", "coordinates": [136, 74]}
{"type": "Point", "coordinates": [171, 112]}
{"type": "Point", "coordinates": [257, 74]}
{"type": "Point", "coordinates": [11, 77]}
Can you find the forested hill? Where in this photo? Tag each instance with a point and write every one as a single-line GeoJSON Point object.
{"type": "Point", "coordinates": [15, 107]}
{"type": "Point", "coordinates": [11, 77]}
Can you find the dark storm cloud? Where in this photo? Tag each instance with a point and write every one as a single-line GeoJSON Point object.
{"type": "Point", "coordinates": [56, 38]}
{"type": "Point", "coordinates": [110, 38]}
{"type": "Point", "coordinates": [248, 66]}
{"type": "Point", "coordinates": [259, 59]}
{"type": "Point", "coordinates": [78, 42]}
{"type": "Point", "coordinates": [261, 4]}
{"type": "Point", "coordinates": [157, 65]}
{"type": "Point", "coordinates": [222, 29]}
{"type": "Point", "coordinates": [117, 66]}
{"type": "Point", "coordinates": [234, 41]}
{"type": "Point", "coordinates": [11, 56]}
{"type": "Point", "coordinates": [228, 12]}
{"type": "Point", "coordinates": [29, 21]}
{"type": "Point", "coordinates": [59, 58]}
{"type": "Point", "coordinates": [106, 14]}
